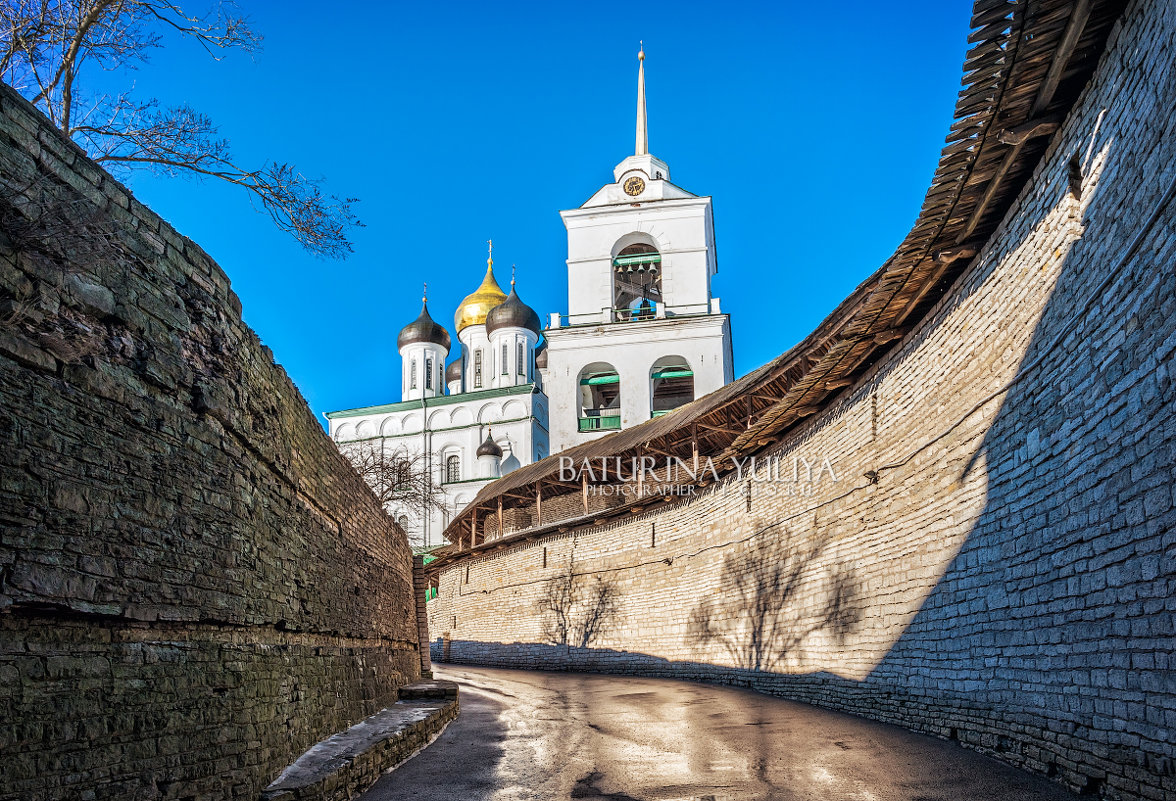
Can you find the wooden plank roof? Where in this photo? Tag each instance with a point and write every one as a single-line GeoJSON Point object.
{"type": "Point", "coordinates": [1029, 61]}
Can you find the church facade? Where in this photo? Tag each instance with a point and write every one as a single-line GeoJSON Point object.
{"type": "Point", "coordinates": [642, 336]}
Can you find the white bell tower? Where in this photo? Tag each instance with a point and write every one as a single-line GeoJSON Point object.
{"type": "Point", "coordinates": [642, 335]}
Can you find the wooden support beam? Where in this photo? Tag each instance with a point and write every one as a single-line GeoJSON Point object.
{"type": "Point", "coordinates": [538, 505]}
{"type": "Point", "coordinates": [882, 337]}
{"type": "Point", "coordinates": [584, 489]}
{"type": "Point", "coordinates": [735, 428]}
{"type": "Point", "coordinates": [990, 192]}
{"type": "Point", "coordinates": [500, 528]}
{"type": "Point", "coordinates": [1077, 22]}
{"type": "Point", "coordinates": [1029, 130]}
{"type": "Point", "coordinates": [838, 383]}
{"type": "Point", "coordinates": [659, 451]}
{"type": "Point", "coordinates": [948, 255]}
{"type": "Point", "coordinates": [928, 285]}
{"type": "Point", "coordinates": [1078, 18]}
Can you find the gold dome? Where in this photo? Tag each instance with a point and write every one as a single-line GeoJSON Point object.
{"type": "Point", "coordinates": [475, 307]}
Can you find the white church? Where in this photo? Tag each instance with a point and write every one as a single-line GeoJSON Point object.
{"type": "Point", "coordinates": [643, 335]}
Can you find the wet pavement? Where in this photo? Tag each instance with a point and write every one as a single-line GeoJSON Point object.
{"type": "Point", "coordinates": [554, 736]}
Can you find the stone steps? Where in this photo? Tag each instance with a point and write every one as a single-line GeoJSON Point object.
{"type": "Point", "coordinates": [349, 762]}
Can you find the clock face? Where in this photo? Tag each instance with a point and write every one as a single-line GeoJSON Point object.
{"type": "Point", "coordinates": [635, 186]}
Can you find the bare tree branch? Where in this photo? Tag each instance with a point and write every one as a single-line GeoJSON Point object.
{"type": "Point", "coordinates": [44, 45]}
{"type": "Point", "coordinates": [400, 480]}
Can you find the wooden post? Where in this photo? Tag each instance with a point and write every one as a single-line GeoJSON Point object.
{"type": "Point", "coordinates": [474, 527]}
{"type": "Point", "coordinates": [584, 490]}
{"type": "Point", "coordinates": [640, 472]}
{"type": "Point", "coordinates": [500, 529]}
{"type": "Point", "coordinates": [538, 505]}
{"type": "Point", "coordinates": [694, 445]}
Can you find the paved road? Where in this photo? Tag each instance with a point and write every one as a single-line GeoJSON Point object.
{"type": "Point", "coordinates": [555, 736]}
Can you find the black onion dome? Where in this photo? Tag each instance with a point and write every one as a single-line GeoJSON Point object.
{"type": "Point", "coordinates": [453, 372]}
{"type": "Point", "coordinates": [513, 313]}
{"type": "Point", "coordinates": [541, 357]}
{"type": "Point", "coordinates": [423, 329]}
{"type": "Point", "coordinates": [489, 448]}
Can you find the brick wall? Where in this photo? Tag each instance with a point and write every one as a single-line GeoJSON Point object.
{"type": "Point", "coordinates": [994, 561]}
{"type": "Point", "coordinates": [194, 586]}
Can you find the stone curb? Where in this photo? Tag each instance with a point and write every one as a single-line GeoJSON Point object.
{"type": "Point", "coordinates": [349, 762]}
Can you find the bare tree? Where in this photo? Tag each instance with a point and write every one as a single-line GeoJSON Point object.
{"type": "Point", "coordinates": [45, 45]}
{"type": "Point", "coordinates": [397, 478]}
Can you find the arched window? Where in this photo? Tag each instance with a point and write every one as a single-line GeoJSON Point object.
{"type": "Point", "coordinates": [412, 374]}
{"type": "Point", "coordinates": [428, 373]}
{"type": "Point", "coordinates": [478, 369]}
{"type": "Point", "coordinates": [637, 285]}
{"type": "Point", "coordinates": [521, 358]}
{"type": "Point", "coordinates": [671, 384]}
{"type": "Point", "coordinates": [452, 469]}
{"type": "Point", "coordinates": [401, 473]}
{"type": "Point", "coordinates": [600, 398]}
{"type": "Point", "coordinates": [505, 359]}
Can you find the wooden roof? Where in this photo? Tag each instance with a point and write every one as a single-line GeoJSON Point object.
{"type": "Point", "coordinates": [1029, 61]}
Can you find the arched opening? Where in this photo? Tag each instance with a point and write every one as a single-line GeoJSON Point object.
{"type": "Point", "coordinates": [671, 384]}
{"type": "Point", "coordinates": [600, 398]}
{"type": "Point", "coordinates": [452, 469]}
{"type": "Point", "coordinates": [637, 287]}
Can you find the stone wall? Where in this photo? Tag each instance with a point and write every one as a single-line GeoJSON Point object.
{"type": "Point", "coordinates": [992, 561]}
{"type": "Point", "coordinates": [194, 586]}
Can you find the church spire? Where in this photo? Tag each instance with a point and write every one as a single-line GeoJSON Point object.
{"type": "Point", "coordinates": [642, 131]}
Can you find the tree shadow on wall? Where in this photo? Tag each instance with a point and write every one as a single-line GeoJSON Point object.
{"type": "Point", "coordinates": [577, 609]}
{"type": "Point", "coordinates": [763, 610]}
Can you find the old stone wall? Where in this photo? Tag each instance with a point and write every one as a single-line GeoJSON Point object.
{"type": "Point", "coordinates": [194, 586]}
{"type": "Point", "coordinates": [991, 558]}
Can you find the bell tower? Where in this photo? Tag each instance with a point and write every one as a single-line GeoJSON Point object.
{"type": "Point", "coordinates": [643, 333]}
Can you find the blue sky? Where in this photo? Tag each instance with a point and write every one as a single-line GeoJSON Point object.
{"type": "Point", "coordinates": [815, 127]}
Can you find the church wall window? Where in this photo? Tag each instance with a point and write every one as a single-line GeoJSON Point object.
{"type": "Point", "coordinates": [452, 469]}
{"type": "Point", "coordinates": [505, 359]}
{"type": "Point", "coordinates": [521, 358]}
{"type": "Point", "coordinates": [671, 384]}
{"type": "Point", "coordinates": [478, 369]}
{"type": "Point", "coordinates": [428, 373]}
{"type": "Point", "coordinates": [412, 375]}
{"type": "Point", "coordinates": [600, 398]}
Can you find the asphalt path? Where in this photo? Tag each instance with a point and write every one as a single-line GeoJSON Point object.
{"type": "Point", "coordinates": [555, 736]}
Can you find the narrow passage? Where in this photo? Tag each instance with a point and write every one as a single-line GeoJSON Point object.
{"type": "Point", "coordinates": [554, 736]}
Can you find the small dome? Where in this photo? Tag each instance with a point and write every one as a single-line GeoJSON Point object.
{"type": "Point", "coordinates": [541, 357]}
{"type": "Point", "coordinates": [513, 313]}
{"type": "Point", "coordinates": [476, 306]}
{"type": "Point", "coordinates": [453, 372]}
{"type": "Point", "coordinates": [423, 329]}
{"type": "Point", "coordinates": [489, 448]}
